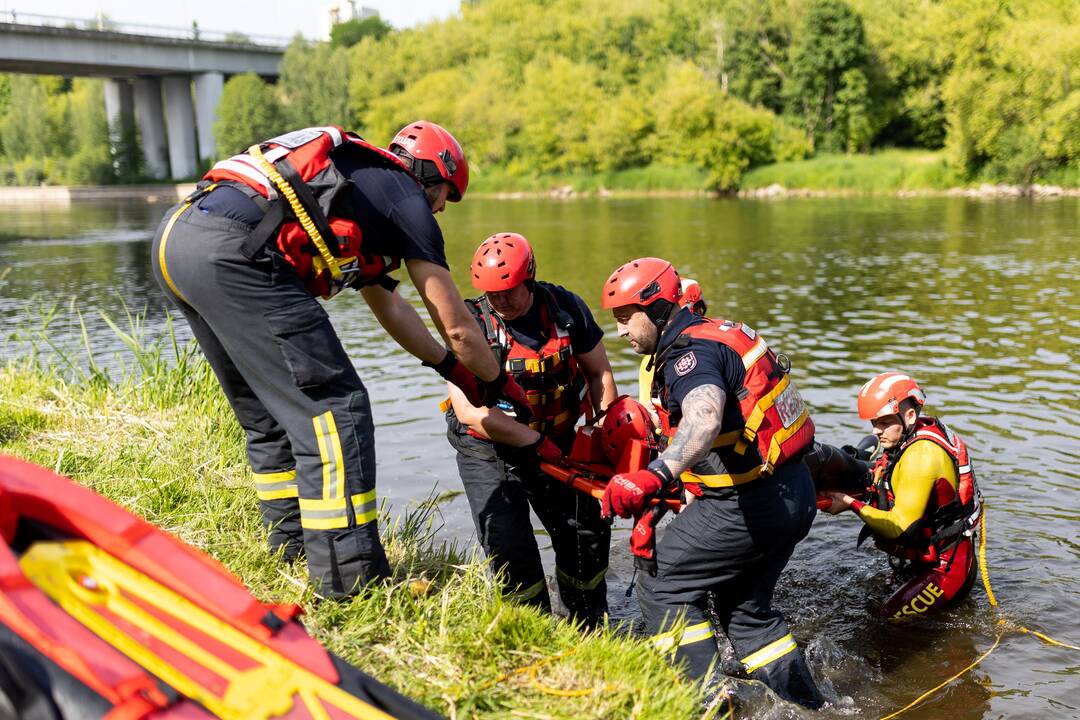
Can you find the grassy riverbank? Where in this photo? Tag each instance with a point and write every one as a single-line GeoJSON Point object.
{"type": "Point", "coordinates": [159, 439]}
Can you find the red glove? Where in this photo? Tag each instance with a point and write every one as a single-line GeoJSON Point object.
{"type": "Point", "coordinates": [547, 450]}
{"type": "Point", "coordinates": [643, 538]}
{"type": "Point", "coordinates": [627, 493]}
{"type": "Point", "coordinates": [453, 370]}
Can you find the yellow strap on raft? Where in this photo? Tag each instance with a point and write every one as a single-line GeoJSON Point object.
{"type": "Point", "coordinates": [93, 587]}
{"type": "Point", "coordinates": [722, 481]}
{"type": "Point", "coordinates": [328, 260]}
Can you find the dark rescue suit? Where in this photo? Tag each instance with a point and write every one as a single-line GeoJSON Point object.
{"type": "Point", "coordinates": [501, 482]}
{"type": "Point", "coordinates": [731, 544]}
{"type": "Point", "coordinates": [238, 261]}
{"type": "Point", "coordinates": [935, 554]}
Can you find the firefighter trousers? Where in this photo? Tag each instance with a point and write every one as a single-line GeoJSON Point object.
{"type": "Point", "coordinates": [306, 415]}
{"type": "Point", "coordinates": [501, 484]}
{"type": "Point", "coordinates": [729, 547]}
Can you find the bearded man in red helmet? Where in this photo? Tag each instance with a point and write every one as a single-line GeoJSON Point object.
{"type": "Point", "coordinates": [922, 505]}
{"type": "Point", "coordinates": [735, 431]}
{"type": "Point", "coordinates": [306, 215]}
{"type": "Point", "coordinates": [545, 337]}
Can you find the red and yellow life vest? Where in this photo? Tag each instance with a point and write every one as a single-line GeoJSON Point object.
{"type": "Point", "coordinates": [295, 169]}
{"type": "Point", "coordinates": [950, 514]}
{"type": "Point", "coordinates": [776, 424]}
{"type": "Point", "coordinates": [555, 387]}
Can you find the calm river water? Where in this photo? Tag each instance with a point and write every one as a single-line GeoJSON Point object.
{"type": "Point", "coordinates": [980, 300]}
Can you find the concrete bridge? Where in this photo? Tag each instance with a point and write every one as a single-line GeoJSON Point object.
{"type": "Point", "coordinates": [170, 85]}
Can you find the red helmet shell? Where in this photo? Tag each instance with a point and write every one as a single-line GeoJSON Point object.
{"type": "Point", "coordinates": [502, 262]}
{"type": "Point", "coordinates": [883, 393]}
{"type": "Point", "coordinates": [626, 420]}
{"type": "Point", "coordinates": [690, 296]}
{"type": "Point", "coordinates": [641, 282]}
{"type": "Point", "coordinates": [434, 155]}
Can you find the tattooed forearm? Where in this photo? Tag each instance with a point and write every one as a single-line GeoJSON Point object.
{"type": "Point", "coordinates": [702, 413]}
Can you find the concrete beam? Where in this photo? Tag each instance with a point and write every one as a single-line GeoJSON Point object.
{"type": "Point", "coordinates": [70, 51]}
{"type": "Point", "coordinates": [208, 89]}
{"type": "Point", "coordinates": [151, 119]}
{"type": "Point", "coordinates": [180, 124]}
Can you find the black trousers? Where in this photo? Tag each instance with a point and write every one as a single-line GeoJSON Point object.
{"type": "Point", "coordinates": [310, 437]}
{"type": "Point", "coordinates": [501, 484]}
{"type": "Point", "coordinates": [730, 547]}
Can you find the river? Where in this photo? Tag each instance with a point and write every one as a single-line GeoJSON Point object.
{"type": "Point", "coordinates": [978, 299]}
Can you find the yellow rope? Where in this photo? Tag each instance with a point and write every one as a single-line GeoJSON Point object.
{"type": "Point", "coordinates": [1004, 625]}
{"type": "Point", "coordinates": [934, 689]}
{"type": "Point", "coordinates": [306, 222]}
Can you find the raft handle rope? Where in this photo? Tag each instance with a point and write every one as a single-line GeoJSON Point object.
{"type": "Point", "coordinates": [1004, 626]}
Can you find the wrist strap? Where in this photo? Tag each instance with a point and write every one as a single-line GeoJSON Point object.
{"type": "Point", "coordinates": [444, 365]}
{"type": "Point", "coordinates": [659, 468]}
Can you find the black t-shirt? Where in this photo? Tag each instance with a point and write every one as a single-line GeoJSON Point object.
{"type": "Point", "coordinates": [530, 331]}
{"type": "Point", "coordinates": [694, 362]}
{"type": "Point", "coordinates": [391, 209]}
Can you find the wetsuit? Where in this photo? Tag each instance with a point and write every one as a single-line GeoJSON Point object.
{"type": "Point", "coordinates": [305, 412]}
{"type": "Point", "coordinates": [730, 545]}
{"type": "Point", "coordinates": [502, 482]}
{"type": "Point", "coordinates": [924, 511]}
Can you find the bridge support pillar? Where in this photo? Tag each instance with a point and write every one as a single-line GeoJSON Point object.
{"type": "Point", "coordinates": [151, 118]}
{"type": "Point", "coordinates": [208, 88]}
{"type": "Point", "coordinates": [180, 124]}
{"type": "Point", "coordinates": [120, 111]}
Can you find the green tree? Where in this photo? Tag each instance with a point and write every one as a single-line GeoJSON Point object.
{"type": "Point", "coordinates": [23, 132]}
{"type": "Point", "coordinates": [853, 111]}
{"type": "Point", "coordinates": [348, 33]}
{"type": "Point", "coordinates": [314, 84]}
{"type": "Point", "coordinates": [249, 112]}
{"type": "Point", "coordinates": [830, 42]}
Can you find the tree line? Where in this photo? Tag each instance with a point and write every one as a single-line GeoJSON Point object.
{"type": "Point", "coordinates": [534, 88]}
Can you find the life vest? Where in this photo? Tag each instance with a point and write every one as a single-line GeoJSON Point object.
{"type": "Point", "coordinates": [554, 385]}
{"type": "Point", "coordinates": [950, 514]}
{"type": "Point", "coordinates": [294, 171]}
{"type": "Point", "coordinates": [776, 425]}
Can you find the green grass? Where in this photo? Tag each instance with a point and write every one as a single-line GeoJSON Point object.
{"type": "Point", "coordinates": [158, 437]}
{"type": "Point", "coordinates": [883, 172]}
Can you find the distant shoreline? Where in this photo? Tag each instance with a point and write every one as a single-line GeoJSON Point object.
{"type": "Point", "coordinates": [65, 195]}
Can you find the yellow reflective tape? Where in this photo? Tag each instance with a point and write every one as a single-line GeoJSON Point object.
{"type": "Point", "coordinates": [526, 593]}
{"type": "Point", "coordinates": [770, 653]}
{"type": "Point", "coordinates": [577, 583]}
{"type": "Point", "coordinates": [274, 476]}
{"type": "Point", "coordinates": [696, 633]}
{"type": "Point", "coordinates": [364, 507]}
{"type": "Point", "coordinates": [161, 251]}
{"type": "Point", "coordinates": [330, 451]}
{"type": "Point", "coordinates": [322, 504]}
{"type": "Point", "coordinates": [721, 481]}
{"type": "Point", "coordinates": [783, 434]}
{"type": "Point", "coordinates": [754, 354]}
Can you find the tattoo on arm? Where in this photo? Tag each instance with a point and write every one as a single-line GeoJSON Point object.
{"type": "Point", "coordinates": [702, 413]}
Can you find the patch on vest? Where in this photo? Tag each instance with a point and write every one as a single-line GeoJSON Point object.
{"type": "Point", "coordinates": [686, 363]}
{"type": "Point", "coordinates": [789, 405]}
{"type": "Point", "coordinates": [296, 138]}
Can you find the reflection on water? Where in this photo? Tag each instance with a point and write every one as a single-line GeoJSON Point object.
{"type": "Point", "coordinates": [979, 300]}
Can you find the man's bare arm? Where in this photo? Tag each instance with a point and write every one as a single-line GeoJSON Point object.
{"type": "Point", "coordinates": [702, 414]}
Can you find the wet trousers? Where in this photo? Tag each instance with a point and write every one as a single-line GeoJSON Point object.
{"type": "Point", "coordinates": [729, 547]}
{"type": "Point", "coordinates": [306, 415]}
{"type": "Point", "coordinates": [500, 487]}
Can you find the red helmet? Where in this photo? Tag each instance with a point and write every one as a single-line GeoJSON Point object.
{"type": "Point", "coordinates": [626, 420]}
{"type": "Point", "coordinates": [433, 155]}
{"type": "Point", "coordinates": [690, 296]}
{"type": "Point", "coordinates": [502, 262]}
{"type": "Point", "coordinates": [883, 394]}
{"type": "Point", "coordinates": [641, 282]}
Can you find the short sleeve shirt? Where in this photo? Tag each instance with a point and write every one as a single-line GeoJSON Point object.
{"type": "Point", "coordinates": [693, 362]}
